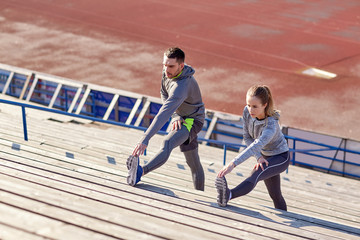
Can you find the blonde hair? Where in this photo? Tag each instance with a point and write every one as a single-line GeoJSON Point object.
{"type": "Point", "coordinates": [264, 94]}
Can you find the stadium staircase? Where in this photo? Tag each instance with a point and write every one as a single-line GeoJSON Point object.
{"type": "Point", "coordinates": [68, 181]}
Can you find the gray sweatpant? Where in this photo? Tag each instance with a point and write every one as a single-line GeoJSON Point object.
{"type": "Point", "coordinates": [175, 139]}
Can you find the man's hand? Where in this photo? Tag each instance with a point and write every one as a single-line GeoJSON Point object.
{"type": "Point", "coordinates": [260, 163]}
{"type": "Point", "coordinates": [227, 169]}
{"type": "Point", "coordinates": [139, 149]}
{"type": "Point", "coordinates": [176, 125]}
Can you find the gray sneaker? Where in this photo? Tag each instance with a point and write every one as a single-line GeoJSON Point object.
{"type": "Point", "coordinates": [130, 160]}
{"type": "Point", "coordinates": [223, 191]}
{"type": "Point", "coordinates": [135, 170]}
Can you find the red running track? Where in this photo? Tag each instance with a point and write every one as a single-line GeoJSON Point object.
{"type": "Point", "coordinates": [231, 44]}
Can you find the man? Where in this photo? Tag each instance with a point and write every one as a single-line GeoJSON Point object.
{"type": "Point", "coordinates": [182, 100]}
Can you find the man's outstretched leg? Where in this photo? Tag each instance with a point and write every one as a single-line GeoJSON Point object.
{"type": "Point", "coordinates": [172, 140]}
{"type": "Point", "coordinates": [198, 176]}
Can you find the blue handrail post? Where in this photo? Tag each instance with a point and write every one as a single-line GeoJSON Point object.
{"type": "Point", "coordinates": [93, 106]}
{"type": "Point", "coordinates": [66, 100]}
{"type": "Point", "coordinates": [344, 159]}
{"type": "Point", "coordinates": [24, 123]}
{"type": "Point", "coordinates": [224, 155]}
{"type": "Point", "coordinates": [294, 147]}
{"type": "Point", "coordinates": [145, 148]}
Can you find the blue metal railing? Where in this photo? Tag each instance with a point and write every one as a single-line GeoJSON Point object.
{"type": "Point", "coordinates": [25, 105]}
{"type": "Point", "coordinates": [325, 147]}
{"type": "Point", "coordinates": [225, 145]}
{"type": "Point", "coordinates": [95, 105]}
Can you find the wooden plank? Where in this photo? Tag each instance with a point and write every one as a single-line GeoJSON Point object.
{"type": "Point", "coordinates": [319, 186]}
{"type": "Point", "coordinates": [8, 81]}
{"type": "Point", "coordinates": [21, 71]}
{"type": "Point", "coordinates": [133, 111]}
{"type": "Point", "coordinates": [10, 232]}
{"type": "Point", "coordinates": [59, 80]}
{"type": "Point", "coordinates": [162, 182]}
{"type": "Point", "coordinates": [188, 184]}
{"type": "Point", "coordinates": [332, 189]}
{"type": "Point", "coordinates": [15, 69]}
{"type": "Point", "coordinates": [310, 197]}
{"type": "Point", "coordinates": [83, 100]}
{"type": "Point", "coordinates": [55, 95]}
{"type": "Point", "coordinates": [32, 88]}
{"type": "Point", "coordinates": [119, 92]}
{"type": "Point", "coordinates": [26, 84]}
{"type": "Point", "coordinates": [112, 217]}
{"type": "Point", "coordinates": [169, 208]}
{"type": "Point", "coordinates": [197, 197]}
{"type": "Point", "coordinates": [111, 107]}
{"type": "Point", "coordinates": [28, 221]}
{"type": "Point", "coordinates": [68, 224]}
{"type": "Point", "coordinates": [74, 101]}
{"type": "Point", "coordinates": [142, 113]}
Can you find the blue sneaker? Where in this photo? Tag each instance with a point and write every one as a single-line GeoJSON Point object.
{"type": "Point", "coordinates": [135, 170]}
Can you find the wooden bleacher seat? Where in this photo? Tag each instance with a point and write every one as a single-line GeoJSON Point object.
{"type": "Point", "coordinates": [69, 182]}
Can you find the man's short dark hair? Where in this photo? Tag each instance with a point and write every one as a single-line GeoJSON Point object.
{"type": "Point", "coordinates": [177, 53]}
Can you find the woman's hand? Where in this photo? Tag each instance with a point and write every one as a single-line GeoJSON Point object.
{"type": "Point", "coordinates": [227, 169]}
{"type": "Point", "coordinates": [260, 162]}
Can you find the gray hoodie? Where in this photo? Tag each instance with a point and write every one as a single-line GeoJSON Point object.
{"type": "Point", "coordinates": [262, 137]}
{"type": "Point", "coordinates": [181, 99]}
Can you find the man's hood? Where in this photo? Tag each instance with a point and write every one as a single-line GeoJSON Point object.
{"type": "Point", "coordinates": [188, 71]}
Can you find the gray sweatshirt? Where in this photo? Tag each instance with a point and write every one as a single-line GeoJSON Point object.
{"type": "Point", "coordinates": [262, 137]}
{"type": "Point", "coordinates": [181, 99]}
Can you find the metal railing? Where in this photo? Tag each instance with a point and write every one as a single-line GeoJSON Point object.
{"type": "Point", "coordinates": [225, 145]}
{"type": "Point", "coordinates": [315, 153]}
{"type": "Point", "coordinates": [25, 105]}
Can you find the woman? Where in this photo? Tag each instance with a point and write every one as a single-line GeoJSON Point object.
{"type": "Point", "coordinates": [264, 141]}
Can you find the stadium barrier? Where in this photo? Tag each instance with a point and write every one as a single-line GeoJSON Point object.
{"type": "Point", "coordinates": [102, 104]}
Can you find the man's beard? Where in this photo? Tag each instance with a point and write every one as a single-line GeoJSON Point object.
{"type": "Point", "coordinates": [173, 75]}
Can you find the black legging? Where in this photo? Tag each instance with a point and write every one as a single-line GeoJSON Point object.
{"type": "Point", "coordinates": [271, 177]}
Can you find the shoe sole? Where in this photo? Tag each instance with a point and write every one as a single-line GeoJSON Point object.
{"type": "Point", "coordinates": [131, 179]}
{"type": "Point", "coordinates": [129, 162]}
{"type": "Point", "coordinates": [221, 187]}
